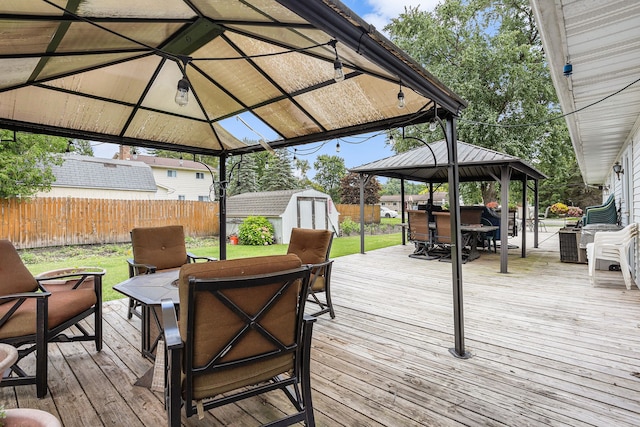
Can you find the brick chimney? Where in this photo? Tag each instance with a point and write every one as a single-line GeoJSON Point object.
{"type": "Point", "coordinates": [125, 152]}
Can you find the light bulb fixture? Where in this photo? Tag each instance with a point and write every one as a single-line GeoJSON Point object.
{"type": "Point", "coordinates": [617, 168]}
{"type": "Point", "coordinates": [181, 160]}
{"type": "Point", "coordinates": [182, 93]}
{"type": "Point", "coordinates": [295, 152]}
{"type": "Point", "coordinates": [338, 147]}
{"type": "Point", "coordinates": [338, 72]}
{"type": "Point", "coordinates": [69, 145]}
{"type": "Point", "coordinates": [134, 153]}
{"type": "Point", "coordinates": [433, 125]}
{"type": "Point", "coordinates": [401, 103]}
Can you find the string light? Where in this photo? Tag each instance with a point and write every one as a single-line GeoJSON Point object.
{"type": "Point", "coordinates": [401, 103]}
{"type": "Point", "coordinates": [182, 92]}
{"type": "Point", "coordinates": [338, 72]}
{"type": "Point", "coordinates": [338, 147]}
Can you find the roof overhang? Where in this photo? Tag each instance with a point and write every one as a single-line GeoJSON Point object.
{"type": "Point", "coordinates": [108, 71]}
{"type": "Point", "coordinates": [601, 40]}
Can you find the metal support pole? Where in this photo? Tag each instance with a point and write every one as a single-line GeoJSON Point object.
{"type": "Point", "coordinates": [223, 206]}
{"type": "Point", "coordinates": [525, 217]}
{"type": "Point", "coordinates": [536, 213]}
{"type": "Point", "coordinates": [456, 238]}
{"type": "Point", "coordinates": [504, 217]}
{"type": "Point", "coordinates": [362, 182]}
{"type": "Point", "coordinates": [403, 212]}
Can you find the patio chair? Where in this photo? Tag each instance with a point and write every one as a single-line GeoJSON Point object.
{"type": "Point", "coordinates": [419, 232]}
{"type": "Point", "coordinates": [313, 247]}
{"type": "Point", "coordinates": [35, 311]}
{"type": "Point", "coordinates": [157, 249]}
{"type": "Point", "coordinates": [601, 214]}
{"type": "Point", "coordinates": [261, 340]}
{"type": "Point", "coordinates": [613, 246]}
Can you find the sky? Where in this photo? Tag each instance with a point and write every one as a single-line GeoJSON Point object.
{"type": "Point", "coordinates": [355, 151]}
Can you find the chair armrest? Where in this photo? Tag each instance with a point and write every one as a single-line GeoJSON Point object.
{"type": "Point", "coordinates": [172, 337]}
{"type": "Point", "coordinates": [79, 273]}
{"type": "Point", "coordinates": [5, 298]}
{"type": "Point", "coordinates": [134, 268]}
{"type": "Point", "coordinates": [194, 258]}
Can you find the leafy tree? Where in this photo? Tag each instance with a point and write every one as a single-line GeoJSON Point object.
{"type": "Point", "coordinates": [490, 53]}
{"type": "Point", "coordinates": [262, 171]}
{"type": "Point", "coordinates": [25, 163]}
{"type": "Point", "coordinates": [244, 177]}
{"type": "Point", "coordinates": [392, 187]}
{"type": "Point", "coordinates": [329, 171]}
{"type": "Point", "coordinates": [303, 167]}
{"type": "Point", "coordinates": [82, 147]}
{"type": "Point", "coordinates": [350, 190]}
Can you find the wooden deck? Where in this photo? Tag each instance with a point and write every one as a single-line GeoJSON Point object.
{"type": "Point", "coordinates": [548, 349]}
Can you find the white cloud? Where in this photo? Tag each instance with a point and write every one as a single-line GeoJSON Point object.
{"type": "Point", "coordinates": [382, 11]}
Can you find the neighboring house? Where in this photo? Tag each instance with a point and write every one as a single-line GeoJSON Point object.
{"type": "Point", "coordinates": [179, 179]}
{"type": "Point", "coordinates": [96, 178]}
{"type": "Point", "coordinates": [285, 209]}
{"type": "Point", "coordinates": [412, 200]}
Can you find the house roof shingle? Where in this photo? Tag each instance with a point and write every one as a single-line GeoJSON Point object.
{"type": "Point", "coordinates": [93, 172]}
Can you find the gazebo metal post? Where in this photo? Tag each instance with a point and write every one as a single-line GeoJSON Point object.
{"type": "Point", "coordinates": [402, 218]}
{"type": "Point", "coordinates": [505, 173]}
{"type": "Point", "coordinates": [525, 217]}
{"type": "Point", "coordinates": [536, 212]}
{"type": "Point", "coordinates": [223, 206]}
{"type": "Point", "coordinates": [456, 238]}
{"type": "Point", "coordinates": [363, 181]}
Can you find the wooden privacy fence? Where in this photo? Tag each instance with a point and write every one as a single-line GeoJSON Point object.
{"type": "Point", "coordinates": [46, 222]}
{"type": "Point", "coordinates": [371, 213]}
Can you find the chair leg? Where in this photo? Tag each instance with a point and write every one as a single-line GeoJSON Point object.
{"type": "Point", "coordinates": [41, 348]}
{"type": "Point", "coordinates": [626, 270]}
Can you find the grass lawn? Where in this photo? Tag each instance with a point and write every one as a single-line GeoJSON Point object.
{"type": "Point", "coordinates": [112, 257]}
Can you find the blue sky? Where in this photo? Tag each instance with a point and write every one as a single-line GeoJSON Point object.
{"type": "Point", "coordinates": [354, 150]}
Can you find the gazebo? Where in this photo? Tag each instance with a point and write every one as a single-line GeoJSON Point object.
{"type": "Point", "coordinates": [172, 74]}
{"type": "Point", "coordinates": [430, 164]}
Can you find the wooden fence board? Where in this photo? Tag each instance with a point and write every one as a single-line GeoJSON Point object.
{"type": "Point", "coordinates": [44, 222]}
{"type": "Point", "coordinates": [371, 213]}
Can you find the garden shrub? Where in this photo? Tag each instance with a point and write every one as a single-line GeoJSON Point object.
{"type": "Point", "coordinates": [256, 231]}
{"type": "Point", "coordinates": [348, 226]}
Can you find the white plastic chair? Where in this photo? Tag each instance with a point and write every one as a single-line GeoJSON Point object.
{"type": "Point", "coordinates": [613, 246]}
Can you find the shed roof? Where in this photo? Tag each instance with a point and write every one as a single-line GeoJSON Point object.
{"type": "Point", "coordinates": [430, 163]}
{"type": "Point", "coordinates": [92, 172]}
{"type": "Point", "coordinates": [266, 203]}
{"type": "Point", "coordinates": [108, 71]}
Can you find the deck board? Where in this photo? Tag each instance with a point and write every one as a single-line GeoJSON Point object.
{"type": "Point", "coordinates": [548, 349]}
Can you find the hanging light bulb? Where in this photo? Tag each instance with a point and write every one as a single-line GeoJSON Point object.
{"type": "Point", "coordinates": [401, 103]}
{"type": "Point", "coordinates": [182, 93]}
{"type": "Point", "coordinates": [338, 147]}
{"type": "Point", "coordinates": [181, 160]}
{"type": "Point", "coordinates": [433, 125]}
{"type": "Point", "coordinates": [338, 72]}
{"type": "Point", "coordinates": [295, 152]}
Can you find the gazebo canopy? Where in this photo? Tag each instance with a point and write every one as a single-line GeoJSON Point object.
{"type": "Point", "coordinates": [107, 70]}
{"type": "Point", "coordinates": [430, 164]}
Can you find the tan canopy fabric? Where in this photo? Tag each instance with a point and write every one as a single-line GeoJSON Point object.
{"type": "Point", "coordinates": [107, 70]}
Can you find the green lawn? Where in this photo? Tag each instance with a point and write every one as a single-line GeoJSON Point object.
{"type": "Point", "coordinates": [113, 257]}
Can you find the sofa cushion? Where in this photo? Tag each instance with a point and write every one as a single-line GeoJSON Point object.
{"type": "Point", "coordinates": [310, 245]}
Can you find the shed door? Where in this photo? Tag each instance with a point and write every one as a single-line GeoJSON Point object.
{"type": "Point", "coordinates": [312, 212]}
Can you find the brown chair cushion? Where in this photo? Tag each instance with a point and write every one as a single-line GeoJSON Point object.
{"type": "Point", "coordinates": [63, 305]}
{"type": "Point", "coordinates": [15, 276]}
{"type": "Point", "coordinates": [310, 245]}
{"type": "Point", "coordinates": [280, 321]}
{"type": "Point", "coordinates": [163, 247]}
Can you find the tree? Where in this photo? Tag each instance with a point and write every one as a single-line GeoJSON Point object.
{"type": "Point", "coordinates": [244, 177]}
{"type": "Point", "coordinates": [277, 173]}
{"type": "Point", "coordinates": [82, 147]}
{"type": "Point", "coordinates": [490, 53]}
{"type": "Point", "coordinates": [350, 190]}
{"type": "Point", "coordinates": [329, 171]}
{"type": "Point", "coordinates": [303, 167]}
{"type": "Point", "coordinates": [25, 162]}
{"type": "Point", "coordinates": [261, 171]}
{"type": "Point", "coordinates": [392, 187]}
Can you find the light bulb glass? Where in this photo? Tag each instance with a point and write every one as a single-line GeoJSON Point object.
{"type": "Point", "coordinates": [182, 93]}
{"type": "Point", "coordinates": [433, 125]}
{"type": "Point", "coordinates": [338, 73]}
{"type": "Point", "coordinates": [338, 147]}
{"type": "Point", "coordinates": [401, 103]}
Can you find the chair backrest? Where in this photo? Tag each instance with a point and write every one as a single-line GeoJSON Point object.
{"type": "Point", "coordinates": [602, 214]}
{"type": "Point", "coordinates": [443, 227]}
{"type": "Point", "coordinates": [163, 247]}
{"type": "Point", "coordinates": [418, 225]}
{"type": "Point", "coordinates": [240, 320]}
{"type": "Point", "coordinates": [14, 275]}
{"type": "Point", "coordinates": [311, 246]}
{"type": "Point", "coordinates": [470, 214]}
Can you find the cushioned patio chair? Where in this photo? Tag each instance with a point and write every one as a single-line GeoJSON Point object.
{"type": "Point", "coordinates": [313, 247]}
{"type": "Point", "coordinates": [158, 249]}
{"type": "Point", "coordinates": [601, 214]}
{"type": "Point", "coordinates": [35, 311]}
{"type": "Point", "coordinates": [613, 246]}
{"type": "Point", "coordinates": [260, 341]}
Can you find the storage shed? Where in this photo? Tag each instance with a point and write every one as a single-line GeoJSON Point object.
{"type": "Point", "coordinates": [285, 209]}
